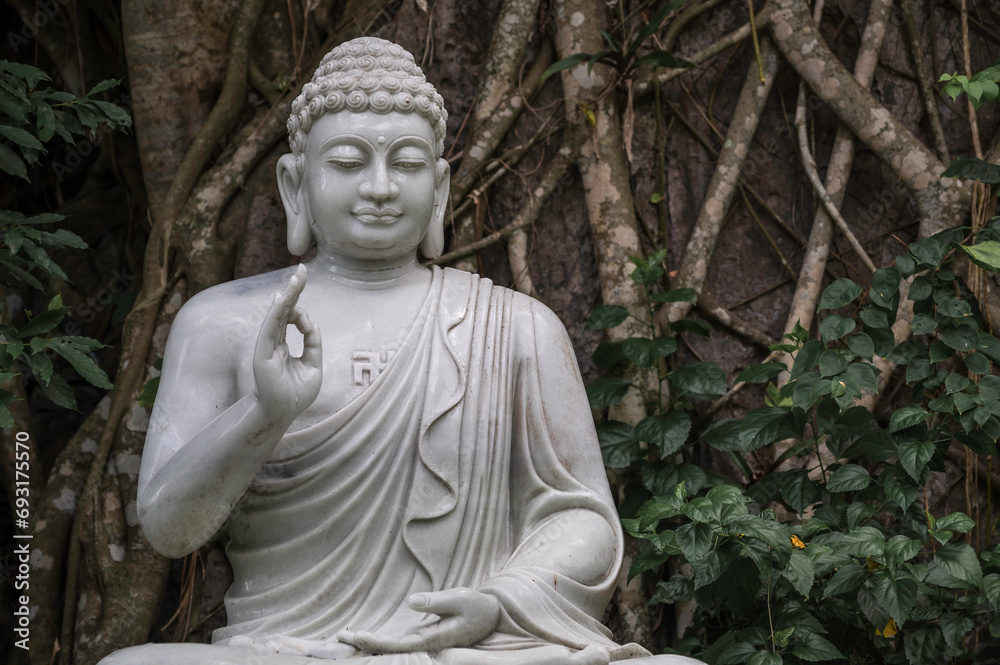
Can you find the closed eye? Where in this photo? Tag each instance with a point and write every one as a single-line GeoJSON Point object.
{"type": "Point", "coordinates": [347, 163]}
{"type": "Point", "coordinates": [409, 163]}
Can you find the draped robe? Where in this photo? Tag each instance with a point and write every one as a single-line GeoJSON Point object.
{"type": "Point", "coordinates": [428, 480]}
{"type": "Point", "coordinates": [472, 446]}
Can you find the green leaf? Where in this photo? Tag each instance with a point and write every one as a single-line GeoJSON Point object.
{"type": "Point", "coordinates": [675, 295]}
{"type": "Point", "coordinates": [799, 572]}
{"type": "Point", "coordinates": [900, 549]}
{"type": "Point", "coordinates": [848, 578]}
{"type": "Point", "coordinates": [763, 426]}
{"type": "Point", "coordinates": [106, 84]}
{"type": "Point", "coordinates": [897, 596]}
{"type": "Point", "coordinates": [864, 541]}
{"type": "Point", "coordinates": [986, 254]}
{"type": "Point", "coordinates": [612, 43]}
{"type": "Point", "coordinates": [43, 261]}
{"type": "Point", "coordinates": [796, 488]}
{"type": "Point", "coordinates": [20, 137]}
{"type": "Point", "coordinates": [59, 392]}
{"type": "Point", "coordinates": [64, 238]}
{"type": "Point", "coordinates": [899, 491]}
{"type": "Point", "coordinates": [31, 75]}
{"type": "Point", "coordinates": [45, 122]}
{"type": "Point", "coordinates": [649, 560]}
{"type": "Point", "coordinates": [806, 358]}
{"type": "Point", "coordinates": [695, 540]}
{"type": "Point", "coordinates": [83, 364]}
{"type": "Point", "coordinates": [923, 645]}
{"type": "Point", "coordinates": [700, 380]}
{"type": "Point", "coordinates": [959, 522]}
{"type": "Point", "coordinates": [861, 344]}
{"type": "Point", "coordinates": [761, 373]}
{"type": "Point", "coordinates": [736, 654]}
{"type": "Point", "coordinates": [653, 25]}
{"type": "Point", "coordinates": [607, 316]}
{"type": "Point", "coordinates": [663, 346]}
{"type": "Point", "coordinates": [637, 350]}
{"type": "Point", "coordinates": [814, 648]}
{"type": "Point", "coordinates": [874, 318]}
{"type": "Point", "coordinates": [668, 432]}
{"type": "Point", "coordinates": [723, 434]}
{"type": "Point", "coordinates": [959, 560]}
{"type": "Point", "coordinates": [765, 658]}
{"type": "Point", "coordinates": [646, 274]}
{"type": "Point", "coordinates": [956, 383]}
{"type": "Point", "coordinates": [955, 627]}
{"type": "Point", "coordinates": [906, 265]}
{"type": "Point", "coordinates": [42, 323]}
{"type": "Point", "coordinates": [914, 455]}
{"type": "Point", "coordinates": [771, 533]}
{"type": "Point", "coordinates": [923, 324]}
{"type": "Point", "coordinates": [960, 338]}
{"type": "Point", "coordinates": [607, 391]}
{"type": "Point", "coordinates": [978, 363]}
{"type": "Point", "coordinates": [691, 325]}
{"type": "Point", "coordinates": [565, 63]}
{"type": "Point", "coordinates": [708, 569]}
{"type": "Point", "coordinates": [832, 362]}
{"type": "Point", "coordinates": [927, 251]}
{"type": "Point", "coordinates": [991, 587]}
{"type": "Point", "coordinates": [848, 478]}
{"type": "Point", "coordinates": [973, 169]}
{"type": "Point", "coordinates": [907, 417]}
{"type": "Point", "coordinates": [11, 163]}
{"type": "Point", "coordinates": [885, 286]}
{"type": "Point", "coordinates": [835, 326]}
{"type": "Point", "coordinates": [147, 396]}
{"type": "Point", "coordinates": [838, 294]}
{"type": "Point", "coordinates": [618, 444]}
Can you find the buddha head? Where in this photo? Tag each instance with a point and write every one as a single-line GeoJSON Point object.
{"type": "Point", "coordinates": [367, 138]}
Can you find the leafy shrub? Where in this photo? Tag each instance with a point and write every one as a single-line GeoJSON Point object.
{"type": "Point", "coordinates": [860, 570]}
{"type": "Point", "coordinates": [29, 119]}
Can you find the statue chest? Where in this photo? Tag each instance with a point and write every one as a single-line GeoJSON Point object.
{"type": "Point", "coordinates": [358, 345]}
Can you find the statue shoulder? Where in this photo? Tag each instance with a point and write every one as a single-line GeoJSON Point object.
{"type": "Point", "coordinates": [528, 311]}
{"type": "Point", "coordinates": [230, 311]}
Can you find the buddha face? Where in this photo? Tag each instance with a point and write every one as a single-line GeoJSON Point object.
{"type": "Point", "coordinates": [370, 187]}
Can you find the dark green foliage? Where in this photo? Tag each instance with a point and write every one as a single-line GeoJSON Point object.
{"type": "Point", "coordinates": [861, 573]}
{"type": "Point", "coordinates": [624, 57]}
{"type": "Point", "coordinates": [30, 118]}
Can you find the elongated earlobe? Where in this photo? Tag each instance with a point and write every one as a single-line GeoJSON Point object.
{"type": "Point", "coordinates": [296, 208]}
{"type": "Point", "coordinates": [432, 244]}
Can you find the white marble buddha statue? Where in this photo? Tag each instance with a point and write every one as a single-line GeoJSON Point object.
{"type": "Point", "coordinates": [405, 455]}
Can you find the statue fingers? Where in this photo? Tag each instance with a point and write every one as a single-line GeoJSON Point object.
{"type": "Point", "coordinates": [268, 337]}
{"type": "Point", "coordinates": [446, 602]}
{"type": "Point", "coordinates": [475, 607]}
{"type": "Point", "coordinates": [312, 343]}
{"type": "Point", "coordinates": [455, 631]}
{"type": "Point", "coordinates": [372, 642]}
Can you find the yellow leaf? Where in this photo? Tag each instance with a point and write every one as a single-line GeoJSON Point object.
{"type": "Point", "coordinates": [889, 630]}
{"type": "Point", "coordinates": [797, 543]}
{"type": "Point", "coordinates": [591, 117]}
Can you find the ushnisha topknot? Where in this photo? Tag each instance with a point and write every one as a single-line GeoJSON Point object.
{"type": "Point", "coordinates": [366, 74]}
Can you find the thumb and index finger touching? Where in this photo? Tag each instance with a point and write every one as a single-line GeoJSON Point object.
{"type": "Point", "coordinates": [282, 312]}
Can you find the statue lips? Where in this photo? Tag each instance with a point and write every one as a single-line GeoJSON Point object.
{"type": "Point", "coordinates": [377, 216]}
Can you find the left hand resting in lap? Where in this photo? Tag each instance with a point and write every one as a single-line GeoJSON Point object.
{"type": "Point", "coordinates": [466, 617]}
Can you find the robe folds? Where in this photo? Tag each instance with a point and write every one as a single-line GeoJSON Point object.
{"type": "Point", "coordinates": [434, 478]}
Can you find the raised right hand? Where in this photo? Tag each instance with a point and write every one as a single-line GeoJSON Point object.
{"type": "Point", "coordinates": [286, 385]}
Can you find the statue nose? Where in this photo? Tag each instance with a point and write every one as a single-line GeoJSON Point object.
{"type": "Point", "coordinates": [380, 186]}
